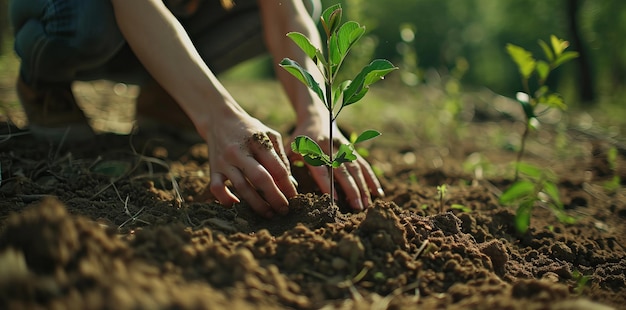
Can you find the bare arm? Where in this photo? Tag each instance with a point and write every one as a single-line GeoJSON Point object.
{"type": "Point", "coordinates": [164, 48]}
{"type": "Point", "coordinates": [258, 171]}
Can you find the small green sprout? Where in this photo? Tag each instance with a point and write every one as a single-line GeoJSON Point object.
{"type": "Point", "coordinates": [581, 281]}
{"type": "Point", "coordinates": [441, 194]}
{"type": "Point", "coordinates": [456, 206]}
{"type": "Point", "coordinates": [335, 95]}
{"type": "Point", "coordinates": [612, 185]}
{"type": "Point", "coordinates": [537, 188]}
{"type": "Point", "coordinates": [442, 190]}
{"type": "Point", "coordinates": [528, 67]}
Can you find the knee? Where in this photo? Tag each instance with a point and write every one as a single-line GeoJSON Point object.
{"type": "Point", "coordinates": [96, 33]}
{"type": "Point", "coordinates": [88, 27]}
{"type": "Point", "coordinates": [20, 11]}
{"type": "Point", "coordinates": [98, 41]}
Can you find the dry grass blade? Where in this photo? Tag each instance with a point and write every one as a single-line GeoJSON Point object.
{"type": "Point", "coordinates": [6, 137]}
{"type": "Point", "coordinates": [132, 218]}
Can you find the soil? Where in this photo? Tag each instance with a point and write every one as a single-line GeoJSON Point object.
{"type": "Point", "coordinates": [125, 222]}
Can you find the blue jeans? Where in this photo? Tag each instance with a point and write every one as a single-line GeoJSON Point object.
{"type": "Point", "coordinates": [67, 40]}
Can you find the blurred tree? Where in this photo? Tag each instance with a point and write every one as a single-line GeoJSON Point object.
{"type": "Point", "coordinates": [603, 25]}
{"type": "Point", "coordinates": [478, 31]}
{"type": "Point", "coordinates": [4, 16]}
{"type": "Point", "coordinates": [585, 80]}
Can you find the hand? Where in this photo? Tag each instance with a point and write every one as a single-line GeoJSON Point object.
{"type": "Point", "coordinates": [251, 156]}
{"type": "Point", "coordinates": [356, 178]}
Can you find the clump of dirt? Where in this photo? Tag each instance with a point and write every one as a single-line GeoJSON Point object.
{"type": "Point", "coordinates": [54, 260]}
{"type": "Point", "coordinates": [262, 139]}
{"type": "Point", "coordinates": [132, 230]}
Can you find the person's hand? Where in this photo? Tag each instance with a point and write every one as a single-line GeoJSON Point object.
{"type": "Point", "coordinates": [252, 158]}
{"type": "Point", "coordinates": [356, 178]}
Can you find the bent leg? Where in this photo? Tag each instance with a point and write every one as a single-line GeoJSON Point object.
{"type": "Point", "coordinates": [227, 37]}
{"type": "Point", "coordinates": [56, 39]}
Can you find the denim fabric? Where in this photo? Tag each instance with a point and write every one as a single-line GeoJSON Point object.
{"type": "Point", "coordinates": [56, 39]}
{"type": "Point", "coordinates": [66, 40]}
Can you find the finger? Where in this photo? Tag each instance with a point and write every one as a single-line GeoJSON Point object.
{"type": "Point", "coordinates": [218, 188]}
{"type": "Point", "coordinates": [280, 150]}
{"type": "Point", "coordinates": [370, 177]}
{"type": "Point", "coordinates": [354, 169]}
{"type": "Point", "coordinates": [281, 173]}
{"type": "Point", "coordinates": [249, 193]}
{"type": "Point", "coordinates": [349, 186]}
{"type": "Point", "coordinates": [257, 177]}
{"type": "Point", "coordinates": [322, 178]}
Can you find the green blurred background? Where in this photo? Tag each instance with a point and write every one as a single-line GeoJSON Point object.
{"type": "Point", "coordinates": [429, 38]}
{"type": "Point", "coordinates": [448, 33]}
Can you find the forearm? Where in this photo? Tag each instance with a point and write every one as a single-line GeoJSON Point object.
{"type": "Point", "coordinates": [278, 20]}
{"type": "Point", "coordinates": [164, 48]}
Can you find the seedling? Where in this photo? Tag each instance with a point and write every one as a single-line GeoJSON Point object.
{"type": "Point", "coordinates": [612, 185]}
{"type": "Point", "coordinates": [537, 188]}
{"type": "Point", "coordinates": [456, 206]}
{"type": "Point", "coordinates": [581, 281]}
{"type": "Point", "coordinates": [442, 190]}
{"type": "Point", "coordinates": [335, 95]}
{"type": "Point", "coordinates": [528, 67]}
{"type": "Point", "coordinates": [441, 194]}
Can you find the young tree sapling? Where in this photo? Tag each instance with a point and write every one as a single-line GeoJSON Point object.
{"type": "Point", "coordinates": [335, 95]}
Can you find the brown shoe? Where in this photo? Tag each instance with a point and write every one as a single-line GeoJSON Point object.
{"type": "Point", "coordinates": [158, 113]}
{"type": "Point", "coordinates": [52, 112]}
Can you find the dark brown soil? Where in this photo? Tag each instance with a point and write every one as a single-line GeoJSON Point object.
{"type": "Point", "coordinates": [125, 223]}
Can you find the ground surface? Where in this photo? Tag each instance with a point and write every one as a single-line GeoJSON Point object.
{"type": "Point", "coordinates": [125, 223]}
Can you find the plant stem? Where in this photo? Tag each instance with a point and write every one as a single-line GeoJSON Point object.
{"type": "Point", "coordinates": [331, 105]}
{"type": "Point", "coordinates": [526, 129]}
{"type": "Point", "coordinates": [521, 150]}
{"type": "Point", "coordinates": [330, 144]}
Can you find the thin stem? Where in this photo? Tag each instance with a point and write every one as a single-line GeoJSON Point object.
{"type": "Point", "coordinates": [521, 150]}
{"type": "Point", "coordinates": [329, 99]}
{"type": "Point", "coordinates": [330, 153]}
{"type": "Point", "coordinates": [531, 101]}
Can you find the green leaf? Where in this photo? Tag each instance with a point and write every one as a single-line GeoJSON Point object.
{"type": "Point", "coordinates": [463, 208]}
{"type": "Point", "coordinates": [310, 151]}
{"type": "Point", "coordinates": [344, 154]}
{"type": "Point", "coordinates": [564, 218]}
{"type": "Point", "coordinates": [348, 35]}
{"type": "Point", "coordinates": [558, 45]}
{"type": "Point", "coordinates": [320, 59]}
{"type": "Point", "coordinates": [363, 152]}
{"type": "Point", "coordinates": [550, 189]}
{"type": "Point", "coordinates": [547, 50]}
{"type": "Point", "coordinates": [334, 56]}
{"type": "Point", "coordinates": [331, 15]}
{"type": "Point", "coordinates": [611, 157]}
{"type": "Point", "coordinates": [523, 58]}
{"type": "Point", "coordinates": [356, 97]}
{"type": "Point", "coordinates": [304, 76]}
{"type": "Point", "coordinates": [339, 89]}
{"type": "Point", "coordinates": [522, 216]}
{"type": "Point", "coordinates": [304, 43]}
{"type": "Point", "coordinates": [366, 135]}
{"type": "Point", "coordinates": [543, 70]}
{"type": "Point", "coordinates": [523, 189]}
{"type": "Point", "coordinates": [565, 57]}
{"type": "Point", "coordinates": [371, 73]}
{"type": "Point", "coordinates": [531, 171]}
{"type": "Point", "coordinates": [553, 100]}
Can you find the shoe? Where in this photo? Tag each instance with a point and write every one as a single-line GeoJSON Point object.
{"type": "Point", "coordinates": [52, 112]}
{"type": "Point", "coordinates": [157, 113]}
